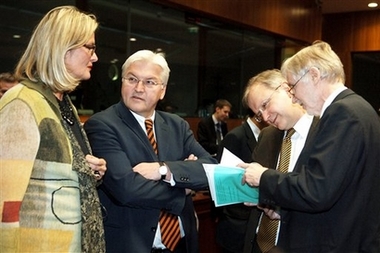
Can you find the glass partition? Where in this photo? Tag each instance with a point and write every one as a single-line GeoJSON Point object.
{"type": "Point", "coordinates": [208, 59]}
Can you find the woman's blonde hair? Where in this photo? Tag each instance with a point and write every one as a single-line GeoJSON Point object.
{"type": "Point", "coordinates": [60, 30]}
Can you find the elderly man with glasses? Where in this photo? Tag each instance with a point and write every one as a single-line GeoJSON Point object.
{"type": "Point", "coordinates": [330, 201]}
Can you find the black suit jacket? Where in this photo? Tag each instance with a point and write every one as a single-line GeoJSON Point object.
{"type": "Point", "coordinates": [235, 229]}
{"type": "Point", "coordinates": [132, 203]}
{"type": "Point", "coordinates": [330, 202]}
{"type": "Point", "coordinates": [207, 135]}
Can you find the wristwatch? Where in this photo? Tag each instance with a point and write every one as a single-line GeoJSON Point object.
{"type": "Point", "coordinates": [163, 170]}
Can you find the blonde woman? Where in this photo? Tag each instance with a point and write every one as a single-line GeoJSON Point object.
{"type": "Point", "coordinates": [48, 176]}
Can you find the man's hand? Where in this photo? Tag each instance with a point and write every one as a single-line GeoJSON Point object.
{"type": "Point", "coordinates": [148, 170]}
{"type": "Point", "coordinates": [271, 213]}
{"type": "Point", "coordinates": [253, 172]}
{"type": "Point", "coordinates": [191, 157]}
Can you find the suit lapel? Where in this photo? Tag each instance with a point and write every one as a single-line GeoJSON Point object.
{"type": "Point", "coordinates": [162, 134]}
{"type": "Point", "coordinates": [251, 140]}
{"type": "Point", "coordinates": [130, 122]}
{"type": "Point", "coordinates": [312, 129]}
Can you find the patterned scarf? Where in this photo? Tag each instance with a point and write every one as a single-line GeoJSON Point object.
{"type": "Point", "coordinates": [92, 224]}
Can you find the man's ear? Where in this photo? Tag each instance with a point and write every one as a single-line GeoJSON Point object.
{"type": "Point", "coordinates": [163, 92]}
{"type": "Point", "coordinates": [315, 74]}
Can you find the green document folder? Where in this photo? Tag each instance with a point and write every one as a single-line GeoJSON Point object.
{"type": "Point", "coordinates": [229, 189]}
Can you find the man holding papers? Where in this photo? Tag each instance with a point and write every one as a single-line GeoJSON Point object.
{"type": "Point", "coordinates": [269, 92]}
{"type": "Point", "coordinates": [330, 201]}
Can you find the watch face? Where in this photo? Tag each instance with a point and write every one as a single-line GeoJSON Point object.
{"type": "Point", "coordinates": [163, 170]}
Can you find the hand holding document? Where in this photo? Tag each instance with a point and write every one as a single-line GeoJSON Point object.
{"type": "Point", "coordinates": [225, 182]}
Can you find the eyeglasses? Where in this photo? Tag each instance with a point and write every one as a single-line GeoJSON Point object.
{"type": "Point", "coordinates": [291, 90]}
{"type": "Point", "coordinates": [92, 48]}
{"type": "Point", "coordinates": [259, 116]}
{"type": "Point", "coordinates": [133, 81]}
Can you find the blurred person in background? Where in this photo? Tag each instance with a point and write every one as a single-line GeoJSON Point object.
{"type": "Point", "coordinates": [212, 129]}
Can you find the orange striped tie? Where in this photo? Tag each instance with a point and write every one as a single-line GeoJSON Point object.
{"type": "Point", "coordinates": [170, 234]}
{"type": "Point", "coordinates": [169, 224]}
{"type": "Point", "coordinates": [150, 134]}
{"type": "Point", "coordinates": [266, 236]}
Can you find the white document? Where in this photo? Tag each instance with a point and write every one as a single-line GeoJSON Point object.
{"type": "Point", "coordinates": [229, 159]}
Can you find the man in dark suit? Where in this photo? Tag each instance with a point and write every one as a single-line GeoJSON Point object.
{"type": "Point", "coordinates": [146, 176]}
{"type": "Point", "coordinates": [270, 88]}
{"type": "Point", "coordinates": [211, 130]}
{"type": "Point", "coordinates": [235, 222]}
{"type": "Point", "coordinates": [329, 203]}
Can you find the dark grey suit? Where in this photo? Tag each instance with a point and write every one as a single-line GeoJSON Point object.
{"type": "Point", "coordinates": [330, 202]}
{"type": "Point", "coordinates": [132, 203]}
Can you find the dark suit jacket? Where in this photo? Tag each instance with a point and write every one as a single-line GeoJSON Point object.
{"type": "Point", "coordinates": [330, 202]}
{"type": "Point", "coordinates": [207, 135]}
{"type": "Point", "coordinates": [235, 228]}
{"type": "Point", "coordinates": [132, 203]}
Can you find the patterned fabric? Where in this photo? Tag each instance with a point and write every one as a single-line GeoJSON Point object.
{"type": "Point", "coordinates": [150, 134]}
{"type": "Point", "coordinates": [266, 236]}
{"type": "Point", "coordinates": [170, 233]}
{"type": "Point", "coordinates": [169, 224]}
{"type": "Point", "coordinates": [92, 224]}
{"type": "Point", "coordinates": [48, 200]}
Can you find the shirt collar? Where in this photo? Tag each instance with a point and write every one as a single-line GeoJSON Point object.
{"type": "Point", "coordinates": [214, 119]}
{"type": "Point", "coordinates": [303, 125]}
{"type": "Point", "coordinates": [330, 98]}
{"type": "Point", "coordinates": [255, 129]}
{"type": "Point", "coordinates": [141, 120]}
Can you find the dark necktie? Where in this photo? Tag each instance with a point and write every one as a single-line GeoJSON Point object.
{"type": "Point", "coordinates": [218, 133]}
{"type": "Point", "coordinates": [266, 236]}
{"type": "Point", "coordinates": [169, 224]}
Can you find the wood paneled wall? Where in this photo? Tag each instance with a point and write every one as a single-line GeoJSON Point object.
{"type": "Point", "coordinates": [352, 32]}
{"type": "Point", "coordinates": [297, 19]}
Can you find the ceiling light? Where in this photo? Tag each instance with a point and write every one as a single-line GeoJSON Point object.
{"type": "Point", "coordinates": [372, 5]}
{"type": "Point", "coordinates": [16, 36]}
{"type": "Point", "coordinates": [132, 39]}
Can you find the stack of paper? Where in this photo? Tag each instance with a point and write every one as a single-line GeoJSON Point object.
{"type": "Point", "coordinates": [226, 182]}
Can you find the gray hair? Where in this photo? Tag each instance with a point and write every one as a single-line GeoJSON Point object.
{"type": "Point", "coordinates": [149, 56]}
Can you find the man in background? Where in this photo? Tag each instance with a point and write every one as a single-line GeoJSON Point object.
{"type": "Point", "coordinates": [7, 81]}
{"type": "Point", "coordinates": [211, 130]}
